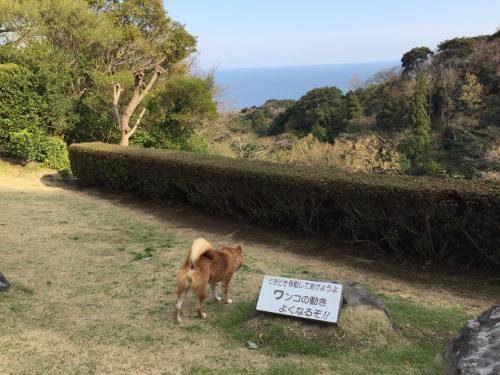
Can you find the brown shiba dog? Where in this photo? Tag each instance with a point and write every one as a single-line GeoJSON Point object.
{"type": "Point", "coordinates": [203, 266]}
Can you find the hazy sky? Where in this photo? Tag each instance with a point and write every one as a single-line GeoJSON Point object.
{"type": "Point", "coordinates": [254, 33]}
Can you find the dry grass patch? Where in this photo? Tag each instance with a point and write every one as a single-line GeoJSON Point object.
{"type": "Point", "coordinates": [363, 153]}
{"type": "Point", "coordinates": [368, 325]}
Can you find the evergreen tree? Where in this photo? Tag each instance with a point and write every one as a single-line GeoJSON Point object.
{"type": "Point", "coordinates": [420, 122]}
{"type": "Point", "coordinates": [456, 48]}
{"type": "Point", "coordinates": [390, 116]}
{"type": "Point", "coordinates": [413, 60]}
{"type": "Point", "coordinates": [353, 108]}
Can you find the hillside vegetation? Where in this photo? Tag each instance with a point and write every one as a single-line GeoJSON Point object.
{"type": "Point", "coordinates": [121, 72]}
{"type": "Point", "coordinates": [439, 114]}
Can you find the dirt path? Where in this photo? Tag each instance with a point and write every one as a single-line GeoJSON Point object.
{"type": "Point", "coordinates": [93, 280]}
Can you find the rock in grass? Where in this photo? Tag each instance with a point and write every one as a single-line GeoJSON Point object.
{"type": "Point", "coordinates": [476, 349]}
{"type": "Point", "coordinates": [4, 283]}
{"type": "Point", "coordinates": [356, 295]}
{"type": "Point", "coordinates": [363, 319]}
{"type": "Point", "coordinates": [251, 345]}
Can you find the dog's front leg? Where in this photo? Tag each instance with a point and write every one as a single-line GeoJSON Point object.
{"type": "Point", "coordinates": [213, 292]}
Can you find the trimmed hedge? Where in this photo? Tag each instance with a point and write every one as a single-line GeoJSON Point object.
{"type": "Point", "coordinates": [439, 220]}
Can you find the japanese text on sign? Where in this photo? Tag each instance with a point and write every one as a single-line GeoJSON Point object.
{"type": "Point", "coordinates": [315, 300]}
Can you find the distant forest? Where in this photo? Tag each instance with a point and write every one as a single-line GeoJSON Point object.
{"type": "Point", "coordinates": [440, 110]}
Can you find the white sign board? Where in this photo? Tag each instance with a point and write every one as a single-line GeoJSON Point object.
{"type": "Point", "coordinates": [316, 300]}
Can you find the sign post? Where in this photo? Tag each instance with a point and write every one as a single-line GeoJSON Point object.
{"type": "Point", "coordinates": [315, 300]}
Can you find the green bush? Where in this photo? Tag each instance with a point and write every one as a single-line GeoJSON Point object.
{"type": "Point", "coordinates": [391, 115]}
{"type": "Point", "coordinates": [142, 138]}
{"type": "Point", "coordinates": [54, 153]}
{"type": "Point", "coordinates": [176, 110]}
{"type": "Point", "coordinates": [21, 111]}
{"type": "Point", "coordinates": [23, 145]}
{"type": "Point", "coordinates": [325, 107]}
{"type": "Point", "coordinates": [19, 103]}
{"type": "Point", "coordinates": [50, 151]}
{"type": "Point", "coordinates": [47, 77]}
{"type": "Point", "coordinates": [441, 220]}
{"type": "Point", "coordinates": [197, 144]}
{"type": "Point", "coordinates": [319, 133]}
{"type": "Point", "coordinates": [425, 166]}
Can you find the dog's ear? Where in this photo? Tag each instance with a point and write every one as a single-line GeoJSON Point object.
{"type": "Point", "coordinates": [239, 247]}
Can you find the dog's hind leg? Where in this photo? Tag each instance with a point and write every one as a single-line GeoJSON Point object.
{"type": "Point", "coordinates": [213, 292]}
{"type": "Point", "coordinates": [199, 287]}
{"type": "Point", "coordinates": [226, 291]}
{"type": "Point", "coordinates": [199, 308]}
{"type": "Point", "coordinates": [181, 295]}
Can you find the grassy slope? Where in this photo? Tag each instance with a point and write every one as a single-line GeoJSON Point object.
{"type": "Point", "coordinates": [93, 282]}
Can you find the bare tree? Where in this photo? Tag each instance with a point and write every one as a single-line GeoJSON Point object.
{"type": "Point", "coordinates": [355, 82]}
{"type": "Point", "coordinates": [141, 89]}
{"type": "Point", "coordinates": [447, 81]}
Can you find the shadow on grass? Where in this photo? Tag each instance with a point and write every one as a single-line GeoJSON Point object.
{"type": "Point", "coordinates": [479, 283]}
{"type": "Point", "coordinates": [58, 180]}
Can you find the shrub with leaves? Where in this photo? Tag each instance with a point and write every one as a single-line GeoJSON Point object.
{"type": "Point", "coordinates": [19, 103]}
{"type": "Point", "coordinates": [49, 150]}
{"type": "Point", "coordinates": [54, 153]}
{"type": "Point", "coordinates": [391, 115]}
{"type": "Point", "coordinates": [323, 107]}
{"type": "Point", "coordinates": [174, 112]}
{"type": "Point", "coordinates": [50, 77]}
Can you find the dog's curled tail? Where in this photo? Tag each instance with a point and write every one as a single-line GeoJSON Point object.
{"type": "Point", "coordinates": [199, 247]}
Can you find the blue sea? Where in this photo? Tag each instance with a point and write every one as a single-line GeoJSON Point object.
{"type": "Point", "coordinates": [253, 86]}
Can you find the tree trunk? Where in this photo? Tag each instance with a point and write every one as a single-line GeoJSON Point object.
{"type": "Point", "coordinates": [125, 131]}
{"type": "Point", "coordinates": [124, 137]}
{"type": "Point", "coordinates": [140, 91]}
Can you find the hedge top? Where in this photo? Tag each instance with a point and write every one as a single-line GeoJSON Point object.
{"type": "Point", "coordinates": [316, 176]}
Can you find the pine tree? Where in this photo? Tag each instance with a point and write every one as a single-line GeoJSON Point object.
{"type": "Point", "coordinates": [354, 110]}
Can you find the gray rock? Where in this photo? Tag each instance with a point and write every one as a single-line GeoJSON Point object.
{"type": "Point", "coordinates": [4, 283]}
{"type": "Point", "coordinates": [476, 349]}
{"type": "Point", "coordinates": [356, 294]}
{"type": "Point", "coordinates": [251, 345]}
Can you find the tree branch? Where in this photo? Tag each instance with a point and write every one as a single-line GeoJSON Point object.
{"type": "Point", "coordinates": [132, 131]}
{"type": "Point", "coordinates": [150, 84]}
{"type": "Point", "coordinates": [139, 92]}
{"type": "Point", "coordinates": [138, 95]}
{"type": "Point", "coordinates": [117, 91]}
{"type": "Point", "coordinates": [159, 70]}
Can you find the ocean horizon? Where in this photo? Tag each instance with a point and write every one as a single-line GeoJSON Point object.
{"type": "Point", "coordinates": [246, 87]}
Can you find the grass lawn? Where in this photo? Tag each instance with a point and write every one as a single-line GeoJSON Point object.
{"type": "Point", "coordinates": [93, 280]}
